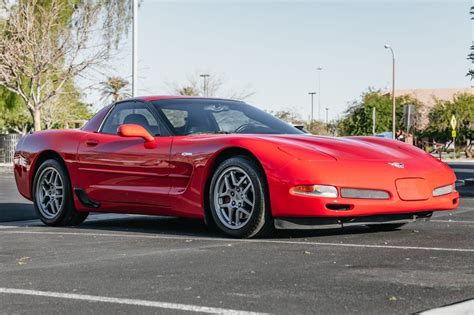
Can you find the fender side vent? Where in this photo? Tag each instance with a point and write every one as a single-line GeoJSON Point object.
{"type": "Point", "coordinates": [85, 200]}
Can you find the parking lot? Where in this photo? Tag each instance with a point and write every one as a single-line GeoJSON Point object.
{"type": "Point", "coordinates": [142, 264]}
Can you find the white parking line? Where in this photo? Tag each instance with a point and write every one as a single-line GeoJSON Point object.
{"type": "Point", "coordinates": [261, 241]}
{"type": "Point", "coordinates": [105, 299]}
{"type": "Point", "coordinates": [466, 307]}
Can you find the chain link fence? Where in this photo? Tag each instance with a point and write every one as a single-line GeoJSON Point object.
{"type": "Point", "coordinates": [8, 143]}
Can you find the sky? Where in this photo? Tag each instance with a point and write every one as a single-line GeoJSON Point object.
{"type": "Point", "coordinates": [274, 48]}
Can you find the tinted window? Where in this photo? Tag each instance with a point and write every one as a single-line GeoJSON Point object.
{"type": "Point", "coordinates": [193, 116]}
{"type": "Point", "coordinates": [131, 113]}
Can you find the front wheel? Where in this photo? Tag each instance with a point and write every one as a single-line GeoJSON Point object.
{"type": "Point", "coordinates": [239, 198]}
{"type": "Point", "coordinates": [52, 196]}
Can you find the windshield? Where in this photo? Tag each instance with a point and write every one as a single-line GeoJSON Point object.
{"type": "Point", "coordinates": [195, 116]}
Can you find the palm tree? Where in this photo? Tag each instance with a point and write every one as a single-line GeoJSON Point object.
{"type": "Point", "coordinates": [115, 88]}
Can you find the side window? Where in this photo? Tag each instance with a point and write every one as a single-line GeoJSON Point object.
{"type": "Point", "coordinates": [177, 118]}
{"type": "Point", "coordinates": [131, 113]}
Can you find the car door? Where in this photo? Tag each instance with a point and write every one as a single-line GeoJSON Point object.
{"type": "Point", "coordinates": [120, 170]}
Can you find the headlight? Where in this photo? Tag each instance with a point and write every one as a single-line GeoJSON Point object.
{"type": "Point", "coordinates": [315, 190]}
{"type": "Point", "coordinates": [443, 190]}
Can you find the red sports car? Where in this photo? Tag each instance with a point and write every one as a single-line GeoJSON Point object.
{"type": "Point", "coordinates": [229, 164]}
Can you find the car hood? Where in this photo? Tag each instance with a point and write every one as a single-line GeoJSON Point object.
{"type": "Point", "coordinates": [347, 148]}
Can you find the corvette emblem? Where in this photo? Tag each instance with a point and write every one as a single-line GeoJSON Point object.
{"type": "Point", "coordinates": [397, 164]}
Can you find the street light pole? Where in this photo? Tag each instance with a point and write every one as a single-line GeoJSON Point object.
{"type": "Point", "coordinates": [135, 49]}
{"type": "Point", "coordinates": [394, 117]}
{"type": "Point", "coordinates": [327, 119]}
{"type": "Point", "coordinates": [319, 90]}
{"type": "Point", "coordinates": [312, 106]}
{"type": "Point", "coordinates": [205, 91]}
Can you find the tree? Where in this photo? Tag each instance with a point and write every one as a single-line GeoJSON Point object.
{"type": "Point", "coordinates": [290, 116]}
{"type": "Point", "coordinates": [358, 117]}
{"type": "Point", "coordinates": [115, 89]}
{"type": "Point", "coordinates": [462, 107]}
{"type": "Point", "coordinates": [64, 108]}
{"type": "Point", "coordinates": [45, 44]}
{"type": "Point", "coordinates": [194, 86]}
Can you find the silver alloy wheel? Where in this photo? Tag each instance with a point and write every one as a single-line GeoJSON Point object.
{"type": "Point", "coordinates": [50, 193]}
{"type": "Point", "coordinates": [234, 198]}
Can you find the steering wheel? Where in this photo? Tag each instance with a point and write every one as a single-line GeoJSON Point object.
{"type": "Point", "coordinates": [243, 127]}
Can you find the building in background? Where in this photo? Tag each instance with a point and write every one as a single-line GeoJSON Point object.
{"type": "Point", "coordinates": [428, 98]}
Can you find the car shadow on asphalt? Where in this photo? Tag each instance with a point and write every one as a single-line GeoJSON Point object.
{"type": "Point", "coordinates": [16, 211]}
{"type": "Point", "coordinates": [197, 228]}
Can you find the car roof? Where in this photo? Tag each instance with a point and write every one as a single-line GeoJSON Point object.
{"type": "Point", "coordinates": [168, 97]}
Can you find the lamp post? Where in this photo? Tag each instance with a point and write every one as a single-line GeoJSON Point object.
{"type": "Point", "coordinates": [319, 90]}
{"type": "Point", "coordinates": [135, 49]}
{"type": "Point", "coordinates": [394, 117]}
{"type": "Point", "coordinates": [312, 106]}
{"type": "Point", "coordinates": [204, 83]}
{"type": "Point", "coordinates": [327, 119]}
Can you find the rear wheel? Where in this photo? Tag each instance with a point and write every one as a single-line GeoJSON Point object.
{"type": "Point", "coordinates": [52, 196]}
{"type": "Point", "coordinates": [386, 227]}
{"type": "Point", "coordinates": [239, 199]}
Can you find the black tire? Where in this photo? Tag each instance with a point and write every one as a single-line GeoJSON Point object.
{"type": "Point", "coordinates": [66, 214]}
{"type": "Point", "coordinates": [260, 222]}
{"type": "Point", "coordinates": [386, 227]}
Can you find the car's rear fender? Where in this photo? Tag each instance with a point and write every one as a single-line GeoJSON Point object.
{"type": "Point", "coordinates": [34, 149]}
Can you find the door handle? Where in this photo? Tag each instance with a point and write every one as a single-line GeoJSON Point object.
{"type": "Point", "coordinates": [92, 142]}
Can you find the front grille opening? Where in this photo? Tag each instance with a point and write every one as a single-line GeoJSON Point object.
{"type": "Point", "coordinates": [359, 193]}
{"type": "Point", "coordinates": [338, 207]}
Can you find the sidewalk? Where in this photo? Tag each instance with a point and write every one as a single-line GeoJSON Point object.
{"type": "Point", "coordinates": [6, 168]}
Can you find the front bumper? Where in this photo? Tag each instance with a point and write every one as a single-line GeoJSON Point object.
{"type": "Point", "coordinates": [308, 206]}
{"type": "Point", "coordinates": [360, 175]}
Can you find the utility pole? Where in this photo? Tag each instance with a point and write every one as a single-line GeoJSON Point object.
{"type": "Point", "coordinates": [135, 49]}
{"type": "Point", "coordinates": [312, 106]}
{"type": "Point", "coordinates": [319, 91]}
{"type": "Point", "coordinates": [327, 119]}
{"type": "Point", "coordinates": [394, 117]}
{"type": "Point", "coordinates": [205, 82]}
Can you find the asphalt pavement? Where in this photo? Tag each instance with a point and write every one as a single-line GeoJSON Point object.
{"type": "Point", "coordinates": [143, 264]}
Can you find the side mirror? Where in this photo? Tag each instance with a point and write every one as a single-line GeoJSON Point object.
{"type": "Point", "coordinates": [132, 130]}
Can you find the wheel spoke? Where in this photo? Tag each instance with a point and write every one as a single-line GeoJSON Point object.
{"type": "Point", "coordinates": [223, 194]}
{"type": "Point", "coordinates": [242, 210]}
{"type": "Point", "coordinates": [247, 201]}
{"type": "Point", "coordinates": [230, 214]}
{"type": "Point", "coordinates": [234, 180]}
{"type": "Point", "coordinates": [51, 206]}
{"type": "Point", "coordinates": [249, 185]}
{"type": "Point", "coordinates": [227, 183]}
